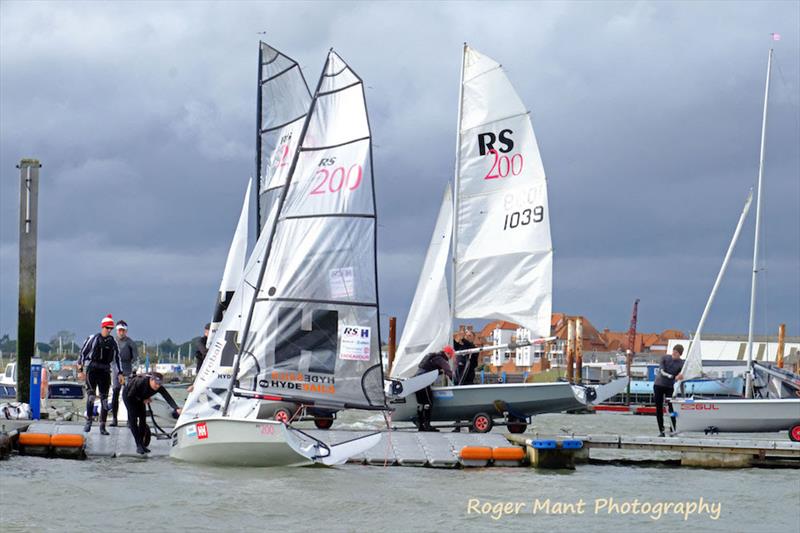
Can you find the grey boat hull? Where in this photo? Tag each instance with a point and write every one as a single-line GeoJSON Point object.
{"type": "Point", "coordinates": [465, 401]}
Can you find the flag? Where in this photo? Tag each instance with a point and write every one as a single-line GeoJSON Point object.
{"type": "Point", "coordinates": [776, 36]}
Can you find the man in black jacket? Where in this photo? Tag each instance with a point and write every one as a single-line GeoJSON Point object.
{"type": "Point", "coordinates": [98, 355]}
{"type": "Point", "coordinates": [137, 395]}
{"type": "Point", "coordinates": [433, 361]}
{"type": "Point", "coordinates": [465, 363]}
{"type": "Point", "coordinates": [668, 371]}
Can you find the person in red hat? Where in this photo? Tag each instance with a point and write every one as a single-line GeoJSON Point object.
{"type": "Point", "coordinates": [433, 361]}
{"type": "Point", "coordinates": [99, 353]}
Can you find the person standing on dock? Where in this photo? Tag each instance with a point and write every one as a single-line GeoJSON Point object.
{"type": "Point", "coordinates": [137, 396]}
{"type": "Point", "coordinates": [200, 348]}
{"type": "Point", "coordinates": [99, 353]}
{"type": "Point", "coordinates": [668, 371]}
{"type": "Point", "coordinates": [433, 361]}
{"type": "Point", "coordinates": [465, 363]}
{"type": "Point", "coordinates": [129, 360]}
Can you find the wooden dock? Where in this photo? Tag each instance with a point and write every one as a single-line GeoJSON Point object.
{"type": "Point", "coordinates": [443, 450]}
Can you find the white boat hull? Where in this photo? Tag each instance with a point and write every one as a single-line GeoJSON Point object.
{"type": "Point", "coordinates": [234, 442]}
{"type": "Point", "coordinates": [736, 415]}
{"type": "Point", "coordinates": [246, 442]}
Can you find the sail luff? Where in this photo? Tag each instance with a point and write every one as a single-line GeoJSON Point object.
{"type": "Point", "coordinates": [457, 174]}
{"type": "Point", "coordinates": [751, 325]}
{"type": "Point", "coordinates": [259, 122]}
{"type": "Point", "coordinates": [693, 366]}
{"type": "Point", "coordinates": [281, 201]}
{"type": "Point", "coordinates": [234, 266]}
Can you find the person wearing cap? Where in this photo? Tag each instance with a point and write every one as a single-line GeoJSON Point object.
{"type": "Point", "coordinates": [129, 360]}
{"type": "Point", "coordinates": [669, 369]}
{"type": "Point", "coordinates": [200, 349]}
{"type": "Point", "coordinates": [137, 395]}
{"type": "Point", "coordinates": [440, 361]}
{"type": "Point", "coordinates": [98, 355]}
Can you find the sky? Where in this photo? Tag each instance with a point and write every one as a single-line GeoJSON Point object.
{"type": "Point", "coordinates": [647, 114]}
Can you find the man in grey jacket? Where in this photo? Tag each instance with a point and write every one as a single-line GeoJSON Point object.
{"type": "Point", "coordinates": [129, 361]}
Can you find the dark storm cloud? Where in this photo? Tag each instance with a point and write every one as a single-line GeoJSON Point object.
{"type": "Point", "coordinates": [647, 117]}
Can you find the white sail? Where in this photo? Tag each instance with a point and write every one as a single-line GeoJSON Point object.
{"type": "Point", "coordinates": [503, 253]}
{"type": "Point", "coordinates": [234, 266]}
{"type": "Point", "coordinates": [427, 326]}
{"type": "Point", "coordinates": [311, 333]}
{"type": "Point", "coordinates": [693, 364]}
{"type": "Point", "coordinates": [283, 102]}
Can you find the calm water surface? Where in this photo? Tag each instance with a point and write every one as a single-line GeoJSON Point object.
{"type": "Point", "coordinates": [117, 494]}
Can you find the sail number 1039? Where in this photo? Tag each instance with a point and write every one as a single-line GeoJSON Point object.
{"type": "Point", "coordinates": [524, 217]}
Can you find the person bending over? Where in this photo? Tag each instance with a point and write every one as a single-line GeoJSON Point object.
{"type": "Point", "coordinates": [137, 395]}
{"type": "Point", "coordinates": [433, 361]}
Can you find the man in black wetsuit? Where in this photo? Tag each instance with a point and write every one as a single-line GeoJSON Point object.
{"type": "Point", "coordinates": [98, 354]}
{"type": "Point", "coordinates": [137, 395]}
{"type": "Point", "coordinates": [433, 361]}
{"type": "Point", "coordinates": [128, 360]}
{"type": "Point", "coordinates": [668, 371]}
{"type": "Point", "coordinates": [200, 349]}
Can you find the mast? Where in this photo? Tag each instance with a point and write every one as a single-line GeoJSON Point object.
{"type": "Point", "coordinates": [263, 268]}
{"type": "Point", "coordinates": [258, 136]}
{"type": "Point", "coordinates": [454, 240]}
{"type": "Point", "coordinates": [749, 375]}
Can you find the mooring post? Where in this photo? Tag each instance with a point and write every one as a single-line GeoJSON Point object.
{"type": "Point", "coordinates": [781, 343]}
{"type": "Point", "coordinates": [390, 350]}
{"type": "Point", "coordinates": [579, 349]}
{"type": "Point", "coordinates": [28, 226]}
{"type": "Point", "coordinates": [570, 348]}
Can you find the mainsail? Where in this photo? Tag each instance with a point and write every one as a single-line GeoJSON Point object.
{"type": "Point", "coordinates": [503, 256]}
{"type": "Point", "coordinates": [427, 326]}
{"type": "Point", "coordinates": [283, 100]}
{"type": "Point", "coordinates": [309, 327]}
{"type": "Point", "coordinates": [234, 266]}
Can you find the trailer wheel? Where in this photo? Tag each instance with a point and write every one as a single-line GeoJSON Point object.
{"type": "Point", "coordinates": [282, 415]}
{"type": "Point", "coordinates": [323, 423]}
{"type": "Point", "coordinates": [516, 425]}
{"type": "Point", "coordinates": [482, 423]}
{"type": "Point", "coordinates": [794, 432]}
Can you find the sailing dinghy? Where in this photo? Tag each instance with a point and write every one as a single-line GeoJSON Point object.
{"type": "Point", "coordinates": [771, 399]}
{"type": "Point", "coordinates": [497, 226]}
{"type": "Point", "coordinates": [303, 323]}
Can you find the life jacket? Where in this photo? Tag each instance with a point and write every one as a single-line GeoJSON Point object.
{"type": "Point", "coordinates": [104, 349]}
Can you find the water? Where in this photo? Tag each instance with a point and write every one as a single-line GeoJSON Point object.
{"type": "Point", "coordinates": [39, 494]}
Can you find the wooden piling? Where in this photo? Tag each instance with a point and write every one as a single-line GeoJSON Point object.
{"type": "Point", "coordinates": [579, 350]}
{"type": "Point", "coordinates": [781, 343]}
{"type": "Point", "coordinates": [570, 349]}
{"type": "Point", "coordinates": [392, 347]}
{"type": "Point", "coordinates": [28, 229]}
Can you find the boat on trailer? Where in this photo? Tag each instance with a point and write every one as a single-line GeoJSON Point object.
{"type": "Point", "coordinates": [495, 227]}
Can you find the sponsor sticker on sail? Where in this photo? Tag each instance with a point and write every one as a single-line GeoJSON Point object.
{"type": "Point", "coordinates": [341, 283]}
{"type": "Point", "coordinates": [355, 344]}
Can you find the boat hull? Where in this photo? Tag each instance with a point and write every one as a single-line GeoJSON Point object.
{"type": "Point", "coordinates": [234, 442]}
{"type": "Point", "coordinates": [464, 402]}
{"type": "Point", "coordinates": [736, 415]}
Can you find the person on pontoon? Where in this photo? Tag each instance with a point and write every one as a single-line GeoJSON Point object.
{"type": "Point", "coordinates": [433, 361]}
{"type": "Point", "coordinates": [137, 395]}
{"type": "Point", "coordinates": [668, 371]}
